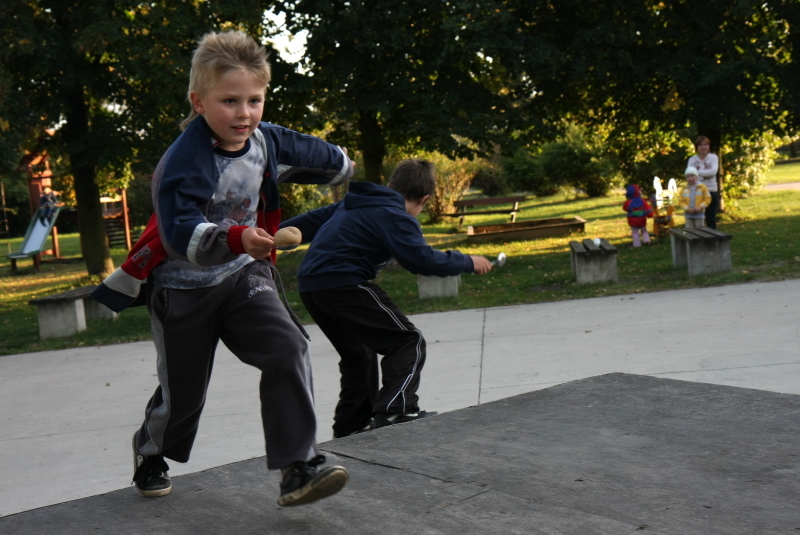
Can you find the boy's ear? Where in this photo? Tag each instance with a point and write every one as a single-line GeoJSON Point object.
{"type": "Point", "coordinates": [197, 102]}
{"type": "Point", "coordinates": [423, 200]}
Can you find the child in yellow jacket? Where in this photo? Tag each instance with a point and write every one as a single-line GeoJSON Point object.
{"type": "Point", "coordinates": [693, 198]}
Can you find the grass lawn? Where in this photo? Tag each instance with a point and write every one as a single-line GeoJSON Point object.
{"type": "Point", "coordinates": [785, 172]}
{"type": "Point", "coordinates": [763, 249]}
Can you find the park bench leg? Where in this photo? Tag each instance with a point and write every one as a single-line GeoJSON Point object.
{"type": "Point", "coordinates": [61, 319]}
{"type": "Point", "coordinates": [679, 252]}
{"type": "Point", "coordinates": [97, 311]}
{"type": "Point", "coordinates": [709, 257]}
{"type": "Point", "coordinates": [430, 287]}
{"type": "Point", "coordinates": [592, 269]}
{"type": "Point", "coordinates": [574, 260]}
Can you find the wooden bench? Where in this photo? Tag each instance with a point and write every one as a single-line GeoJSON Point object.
{"type": "Point", "coordinates": [66, 313]}
{"type": "Point", "coordinates": [464, 205]}
{"type": "Point", "coordinates": [593, 261]}
{"type": "Point", "coordinates": [701, 250]}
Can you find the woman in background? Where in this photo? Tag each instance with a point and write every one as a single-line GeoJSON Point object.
{"type": "Point", "coordinates": [707, 165]}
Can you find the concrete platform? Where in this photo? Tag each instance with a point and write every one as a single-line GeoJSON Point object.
{"type": "Point", "coordinates": [611, 454]}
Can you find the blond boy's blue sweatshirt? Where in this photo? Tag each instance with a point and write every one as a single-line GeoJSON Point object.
{"type": "Point", "coordinates": [353, 239]}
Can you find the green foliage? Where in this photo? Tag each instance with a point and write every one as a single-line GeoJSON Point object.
{"type": "Point", "coordinates": [411, 75]}
{"type": "Point", "coordinates": [297, 198]}
{"type": "Point", "coordinates": [636, 67]}
{"type": "Point", "coordinates": [746, 162]}
{"type": "Point", "coordinates": [491, 180]}
{"type": "Point", "coordinates": [579, 160]}
{"type": "Point", "coordinates": [453, 177]}
{"type": "Point", "coordinates": [523, 171]}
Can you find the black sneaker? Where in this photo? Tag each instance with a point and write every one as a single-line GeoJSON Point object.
{"type": "Point", "coordinates": [302, 483]}
{"type": "Point", "coordinates": [150, 474]}
{"type": "Point", "coordinates": [369, 427]}
{"type": "Point", "coordinates": [382, 419]}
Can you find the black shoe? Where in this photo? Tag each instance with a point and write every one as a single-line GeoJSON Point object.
{"type": "Point", "coordinates": [382, 419]}
{"type": "Point", "coordinates": [369, 427]}
{"type": "Point", "coordinates": [302, 484]}
{"type": "Point", "coordinates": [150, 474]}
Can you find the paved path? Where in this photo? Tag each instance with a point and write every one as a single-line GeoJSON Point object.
{"type": "Point", "coordinates": [785, 185]}
{"type": "Point", "coordinates": [67, 416]}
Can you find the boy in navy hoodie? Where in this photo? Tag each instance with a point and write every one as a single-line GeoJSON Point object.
{"type": "Point", "coordinates": [350, 242]}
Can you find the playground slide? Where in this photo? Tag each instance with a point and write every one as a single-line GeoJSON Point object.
{"type": "Point", "coordinates": [36, 235]}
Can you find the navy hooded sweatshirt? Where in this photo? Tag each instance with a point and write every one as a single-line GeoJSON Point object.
{"type": "Point", "coordinates": [351, 241]}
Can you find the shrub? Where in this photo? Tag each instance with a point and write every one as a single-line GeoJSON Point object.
{"type": "Point", "coordinates": [579, 159]}
{"type": "Point", "coordinates": [565, 163]}
{"type": "Point", "coordinates": [490, 180]}
{"type": "Point", "coordinates": [297, 199]}
{"type": "Point", "coordinates": [453, 178]}
{"type": "Point", "coordinates": [745, 162]}
{"type": "Point", "coordinates": [523, 172]}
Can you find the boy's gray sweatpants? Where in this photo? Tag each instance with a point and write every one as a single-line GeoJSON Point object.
{"type": "Point", "coordinates": [245, 312]}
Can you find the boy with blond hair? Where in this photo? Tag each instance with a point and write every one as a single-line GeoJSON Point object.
{"type": "Point", "coordinates": [216, 205]}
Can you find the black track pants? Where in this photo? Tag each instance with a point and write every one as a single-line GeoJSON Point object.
{"type": "Point", "coordinates": [362, 321]}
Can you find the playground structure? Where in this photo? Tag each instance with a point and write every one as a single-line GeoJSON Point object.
{"type": "Point", "coordinates": [35, 239]}
{"type": "Point", "coordinates": [663, 210]}
{"type": "Point", "coordinates": [115, 219]}
{"type": "Point", "coordinates": [115, 215]}
{"type": "Point", "coordinates": [33, 245]}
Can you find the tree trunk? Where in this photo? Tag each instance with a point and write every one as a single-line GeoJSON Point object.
{"type": "Point", "coordinates": [372, 146]}
{"type": "Point", "coordinates": [94, 242]}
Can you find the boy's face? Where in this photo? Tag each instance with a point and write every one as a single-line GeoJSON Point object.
{"type": "Point", "coordinates": [232, 108]}
{"type": "Point", "coordinates": [691, 179]}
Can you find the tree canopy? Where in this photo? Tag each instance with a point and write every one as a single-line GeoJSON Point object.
{"type": "Point", "coordinates": [429, 74]}
{"type": "Point", "coordinates": [454, 76]}
{"type": "Point", "coordinates": [110, 76]}
{"type": "Point", "coordinates": [404, 74]}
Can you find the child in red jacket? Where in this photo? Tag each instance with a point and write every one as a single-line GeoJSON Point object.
{"type": "Point", "coordinates": [638, 211]}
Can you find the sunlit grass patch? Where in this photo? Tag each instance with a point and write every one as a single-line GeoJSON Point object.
{"type": "Point", "coordinates": [764, 248]}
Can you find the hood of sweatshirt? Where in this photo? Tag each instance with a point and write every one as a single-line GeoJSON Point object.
{"type": "Point", "coordinates": [632, 191]}
{"type": "Point", "coordinates": [368, 195]}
